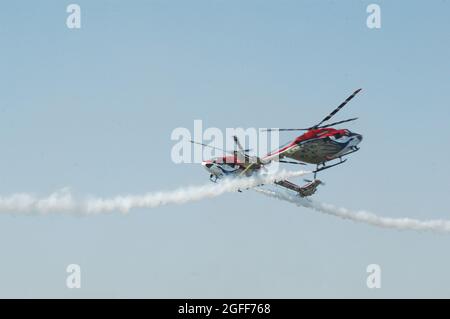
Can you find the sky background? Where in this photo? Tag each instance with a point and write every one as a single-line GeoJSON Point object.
{"type": "Point", "coordinates": [93, 109]}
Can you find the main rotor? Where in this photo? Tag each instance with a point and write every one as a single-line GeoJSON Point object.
{"type": "Point", "coordinates": [327, 118]}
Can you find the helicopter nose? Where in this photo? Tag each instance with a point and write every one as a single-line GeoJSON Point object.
{"type": "Point", "coordinates": [358, 136]}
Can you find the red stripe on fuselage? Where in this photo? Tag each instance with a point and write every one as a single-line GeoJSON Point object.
{"type": "Point", "coordinates": [309, 135]}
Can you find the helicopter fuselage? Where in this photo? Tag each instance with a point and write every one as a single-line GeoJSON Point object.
{"type": "Point", "coordinates": [316, 146]}
{"type": "Point", "coordinates": [319, 146]}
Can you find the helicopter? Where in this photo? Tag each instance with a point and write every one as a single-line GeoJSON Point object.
{"type": "Point", "coordinates": [318, 145]}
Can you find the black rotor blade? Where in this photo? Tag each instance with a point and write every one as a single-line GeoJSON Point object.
{"type": "Point", "coordinates": [238, 144]}
{"type": "Point", "coordinates": [213, 147]}
{"type": "Point", "coordinates": [329, 116]}
{"type": "Point", "coordinates": [247, 157]}
{"type": "Point", "coordinates": [236, 141]}
{"type": "Point", "coordinates": [241, 149]}
{"type": "Point", "coordinates": [336, 123]}
{"type": "Point", "coordinates": [285, 129]}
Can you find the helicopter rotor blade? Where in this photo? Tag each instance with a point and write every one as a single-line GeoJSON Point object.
{"type": "Point", "coordinates": [236, 141]}
{"type": "Point", "coordinates": [213, 147]}
{"type": "Point", "coordinates": [336, 123]}
{"type": "Point", "coordinates": [284, 129]}
{"type": "Point", "coordinates": [329, 116]}
{"type": "Point", "coordinates": [238, 144]}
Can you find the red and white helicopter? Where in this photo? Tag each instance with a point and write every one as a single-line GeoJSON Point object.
{"type": "Point", "coordinates": [319, 145]}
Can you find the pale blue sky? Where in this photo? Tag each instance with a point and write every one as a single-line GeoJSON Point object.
{"type": "Point", "coordinates": [93, 109]}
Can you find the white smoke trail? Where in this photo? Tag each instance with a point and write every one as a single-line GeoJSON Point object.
{"type": "Point", "coordinates": [57, 202]}
{"type": "Point", "coordinates": [183, 195]}
{"type": "Point", "coordinates": [63, 202]}
{"type": "Point", "coordinates": [361, 216]}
